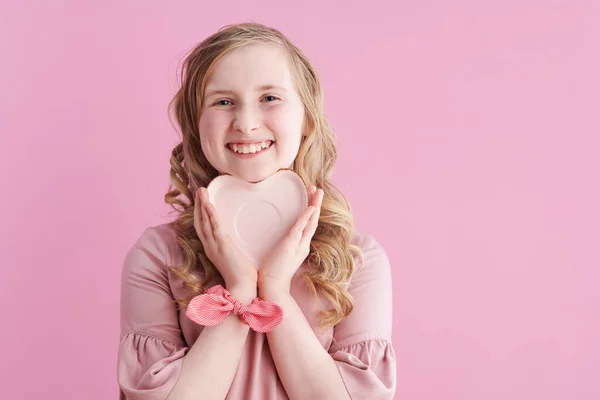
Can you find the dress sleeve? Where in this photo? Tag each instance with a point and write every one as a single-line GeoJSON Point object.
{"type": "Point", "coordinates": [151, 348]}
{"type": "Point", "coordinates": [362, 342]}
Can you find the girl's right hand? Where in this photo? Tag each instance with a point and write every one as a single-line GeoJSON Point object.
{"type": "Point", "coordinates": [233, 265]}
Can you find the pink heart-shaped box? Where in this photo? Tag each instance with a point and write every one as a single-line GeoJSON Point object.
{"type": "Point", "coordinates": [258, 215]}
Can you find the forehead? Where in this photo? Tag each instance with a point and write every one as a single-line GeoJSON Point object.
{"type": "Point", "coordinates": [251, 66]}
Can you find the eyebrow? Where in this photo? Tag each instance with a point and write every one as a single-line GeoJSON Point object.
{"type": "Point", "coordinates": [256, 89]}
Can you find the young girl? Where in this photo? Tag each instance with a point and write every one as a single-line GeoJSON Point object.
{"type": "Point", "coordinates": [248, 89]}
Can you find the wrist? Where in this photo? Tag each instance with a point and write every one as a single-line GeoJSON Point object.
{"type": "Point", "coordinates": [264, 280]}
{"type": "Point", "coordinates": [269, 288]}
{"type": "Point", "coordinates": [243, 293]}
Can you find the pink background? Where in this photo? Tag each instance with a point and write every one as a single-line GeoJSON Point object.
{"type": "Point", "coordinates": [469, 141]}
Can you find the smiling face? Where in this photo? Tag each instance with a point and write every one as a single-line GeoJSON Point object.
{"type": "Point", "coordinates": [252, 117]}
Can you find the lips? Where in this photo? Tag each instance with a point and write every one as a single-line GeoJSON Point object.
{"type": "Point", "coordinates": [249, 142]}
{"type": "Point", "coordinates": [246, 148]}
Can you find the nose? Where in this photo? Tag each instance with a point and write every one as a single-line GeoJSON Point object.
{"type": "Point", "coordinates": [247, 119]}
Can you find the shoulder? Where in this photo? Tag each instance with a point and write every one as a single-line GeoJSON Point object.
{"type": "Point", "coordinates": [367, 242]}
{"type": "Point", "coordinates": [160, 238]}
{"type": "Point", "coordinates": [374, 263]}
{"type": "Point", "coordinates": [371, 289]}
{"type": "Point", "coordinates": [372, 250]}
{"type": "Point", "coordinates": [158, 235]}
{"type": "Point", "coordinates": [155, 246]}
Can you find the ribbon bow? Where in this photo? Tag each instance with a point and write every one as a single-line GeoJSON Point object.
{"type": "Point", "coordinates": [215, 305]}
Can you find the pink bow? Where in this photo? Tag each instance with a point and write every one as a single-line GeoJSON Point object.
{"type": "Point", "coordinates": [215, 305]}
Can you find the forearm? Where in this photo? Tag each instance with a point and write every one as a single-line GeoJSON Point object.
{"type": "Point", "coordinates": [305, 368]}
{"type": "Point", "coordinates": [210, 365]}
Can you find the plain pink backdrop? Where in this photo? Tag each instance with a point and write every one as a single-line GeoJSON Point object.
{"type": "Point", "coordinates": [469, 147]}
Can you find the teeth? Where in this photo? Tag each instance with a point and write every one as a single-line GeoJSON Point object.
{"type": "Point", "coordinates": [249, 149]}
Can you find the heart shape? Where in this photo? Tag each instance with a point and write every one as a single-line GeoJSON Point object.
{"type": "Point", "coordinates": [258, 215]}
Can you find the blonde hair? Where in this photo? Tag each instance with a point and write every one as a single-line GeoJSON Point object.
{"type": "Point", "coordinates": [331, 259]}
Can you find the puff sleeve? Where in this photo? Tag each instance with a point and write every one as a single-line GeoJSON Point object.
{"type": "Point", "coordinates": [151, 347]}
{"type": "Point", "coordinates": [362, 342]}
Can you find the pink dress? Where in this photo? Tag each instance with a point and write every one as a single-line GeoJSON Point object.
{"type": "Point", "coordinates": [155, 335]}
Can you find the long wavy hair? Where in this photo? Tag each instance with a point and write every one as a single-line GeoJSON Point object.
{"type": "Point", "coordinates": [331, 259]}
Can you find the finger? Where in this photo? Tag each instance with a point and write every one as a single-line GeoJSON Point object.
{"type": "Point", "coordinates": [313, 222]}
{"type": "Point", "coordinates": [298, 228]}
{"type": "Point", "coordinates": [315, 196]}
{"type": "Point", "coordinates": [321, 195]}
{"type": "Point", "coordinates": [214, 221]}
{"type": "Point", "coordinates": [317, 203]}
{"type": "Point", "coordinates": [204, 195]}
{"type": "Point", "coordinates": [206, 226]}
{"type": "Point", "coordinates": [198, 216]}
{"type": "Point", "coordinates": [211, 211]}
{"type": "Point", "coordinates": [311, 193]}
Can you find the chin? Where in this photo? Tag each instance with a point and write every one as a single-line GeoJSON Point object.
{"type": "Point", "coordinates": [254, 176]}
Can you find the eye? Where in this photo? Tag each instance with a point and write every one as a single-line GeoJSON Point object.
{"type": "Point", "coordinates": [270, 97]}
{"type": "Point", "coordinates": [220, 103]}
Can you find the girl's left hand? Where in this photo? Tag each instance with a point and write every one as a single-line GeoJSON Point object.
{"type": "Point", "coordinates": [283, 261]}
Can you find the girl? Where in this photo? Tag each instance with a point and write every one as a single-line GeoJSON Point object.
{"type": "Point", "coordinates": [248, 89]}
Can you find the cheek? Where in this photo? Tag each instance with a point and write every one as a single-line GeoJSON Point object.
{"type": "Point", "coordinates": [287, 123]}
{"type": "Point", "coordinates": [211, 127]}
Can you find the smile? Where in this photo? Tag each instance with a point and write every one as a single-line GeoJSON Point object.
{"type": "Point", "coordinates": [250, 149]}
